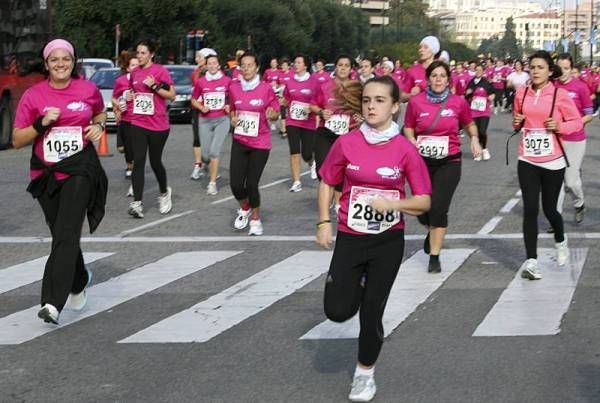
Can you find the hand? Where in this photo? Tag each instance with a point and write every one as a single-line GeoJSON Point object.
{"type": "Point", "coordinates": [359, 118]}
{"type": "Point", "coordinates": [283, 102]}
{"type": "Point", "coordinates": [204, 109]}
{"type": "Point", "coordinates": [552, 124]}
{"type": "Point", "coordinates": [415, 90]}
{"type": "Point", "coordinates": [324, 238]}
{"type": "Point", "coordinates": [382, 205]}
{"type": "Point", "coordinates": [469, 92]}
{"type": "Point", "coordinates": [326, 114]}
{"type": "Point", "coordinates": [518, 119]}
{"type": "Point", "coordinates": [475, 146]}
{"type": "Point", "coordinates": [93, 132]}
{"type": "Point", "coordinates": [227, 109]}
{"type": "Point", "coordinates": [271, 114]}
{"type": "Point", "coordinates": [129, 95]}
{"type": "Point", "coordinates": [150, 81]}
{"type": "Point", "coordinates": [234, 120]}
{"type": "Point", "coordinates": [412, 140]}
{"type": "Point", "coordinates": [51, 116]}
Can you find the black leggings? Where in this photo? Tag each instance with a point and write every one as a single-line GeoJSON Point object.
{"type": "Point", "coordinates": [245, 169]}
{"type": "Point", "coordinates": [532, 179]}
{"type": "Point", "coordinates": [323, 142]}
{"type": "Point", "coordinates": [301, 141]}
{"type": "Point", "coordinates": [124, 140]}
{"type": "Point", "coordinates": [195, 128]}
{"type": "Point", "coordinates": [64, 213]}
{"type": "Point", "coordinates": [482, 123]}
{"type": "Point", "coordinates": [377, 258]}
{"type": "Point", "coordinates": [147, 141]}
{"type": "Point", "coordinates": [499, 96]}
{"type": "Point", "coordinates": [444, 180]}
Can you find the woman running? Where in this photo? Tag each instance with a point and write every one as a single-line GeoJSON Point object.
{"type": "Point", "coordinates": [514, 81]}
{"type": "Point", "coordinates": [253, 104]}
{"type": "Point", "coordinates": [374, 163]}
{"type": "Point", "coordinates": [480, 95]}
{"type": "Point", "coordinates": [67, 178]}
{"type": "Point", "coordinates": [415, 80]}
{"type": "Point", "coordinates": [301, 122]}
{"type": "Point", "coordinates": [152, 85]}
{"type": "Point", "coordinates": [432, 122]}
{"type": "Point", "coordinates": [545, 114]}
{"type": "Point", "coordinates": [211, 98]}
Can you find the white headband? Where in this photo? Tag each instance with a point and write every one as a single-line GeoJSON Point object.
{"type": "Point", "coordinates": [432, 42]}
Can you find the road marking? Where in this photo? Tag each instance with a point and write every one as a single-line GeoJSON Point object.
{"type": "Point", "coordinates": [490, 225]}
{"type": "Point", "coordinates": [155, 223]}
{"type": "Point", "coordinates": [29, 272]}
{"type": "Point", "coordinates": [412, 287]}
{"type": "Point", "coordinates": [509, 205]}
{"type": "Point", "coordinates": [535, 308]}
{"type": "Point", "coordinates": [277, 238]}
{"type": "Point", "coordinates": [268, 185]}
{"type": "Point", "coordinates": [220, 312]}
{"type": "Point", "coordinates": [23, 326]}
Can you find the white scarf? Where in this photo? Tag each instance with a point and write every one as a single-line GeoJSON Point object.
{"type": "Point", "coordinates": [213, 77]}
{"type": "Point", "coordinates": [250, 85]}
{"type": "Point", "coordinates": [364, 80]}
{"type": "Point", "coordinates": [373, 136]}
{"type": "Point", "coordinates": [303, 77]}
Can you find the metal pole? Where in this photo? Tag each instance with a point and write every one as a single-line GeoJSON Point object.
{"type": "Point", "coordinates": [591, 31]}
{"type": "Point", "coordinates": [576, 30]}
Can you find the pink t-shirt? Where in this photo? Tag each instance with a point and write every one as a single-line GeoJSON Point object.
{"type": "Point", "coordinates": [122, 85]}
{"type": "Point", "coordinates": [253, 128]}
{"type": "Point", "coordinates": [235, 74]}
{"type": "Point", "coordinates": [400, 74]}
{"type": "Point", "coordinates": [479, 103]}
{"type": "Point", "coordinates": [325, 99]}
{"type": "Point", "coordinates": [149, 108]}
{"type": "Point", "coordinates": [415, 77]}
{"type": "Point", "coordinates": [322, 77]}
{"type": "Point", "coordinates": [367, 170]}
{"type": "Point", "coordinates": [79, 102]}
{"type": "Point", "coordinates": [580, 94]}
{"type": "Point", "coordinates": [499, 76]}
{"type": "Point", "coordinates": [212, 93]}
{"type": "Point", "coordinates": [285, 77]}
{"type": "Point", "coordinates": [354, 75]}
{"type": "Point", "coordinates": [420, 114]}
{"type": "Point", "coordinates": [271, 75]}
{"type": "Point", "coordinates": [460, 82]}
{"type": "Point", "coordinates": [299, 95]}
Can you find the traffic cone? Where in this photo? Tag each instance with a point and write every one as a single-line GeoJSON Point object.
{"type": "Point", "coordinates": [103, 146]}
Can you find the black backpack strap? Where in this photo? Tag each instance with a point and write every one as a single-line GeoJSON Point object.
{"type": "Point", "coordinates": [556, 135]}
{"type": "Point", "coordinates": [522, 123]}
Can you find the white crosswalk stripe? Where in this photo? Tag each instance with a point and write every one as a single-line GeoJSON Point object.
{"type": "Point", "coordinates": [29, 272]}
{"type": "Point", "coordinates": [535, 308]}
{"type": "Point", "coordinates": [412, 287]}
{"type": "Point", "coordinates": [24, 325]}
{"type": "Point", "coordinates": [220, 312]}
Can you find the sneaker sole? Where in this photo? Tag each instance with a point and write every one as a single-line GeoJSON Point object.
{"type": "Point", "coordinates": [44, 314]}
{"type": "Point", "coordinates": [530, 276]}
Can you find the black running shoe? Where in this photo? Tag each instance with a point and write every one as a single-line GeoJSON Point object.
{"type": "Point", "coordinates": [426, 245]}
{"type": "Point", "coordinates": [579, 213]}
{"type": "Point", "coordinates": [434, 265]}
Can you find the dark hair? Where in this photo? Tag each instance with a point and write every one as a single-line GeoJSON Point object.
{"type": "Point", "coordinates": [124, 58]}
{"type": "Point", "coordinates": [251, 54]}
{"type": "Point", "coordinates": [284, 60]}
{"type": "Point", "coordinates": [554, 69]}
{"type": "Point", "coordinates": [434, 65]}
{"type": "Point", "coordinates": [212, 56]}
{"type": "Point", "coordinates": [389, 81]}
{"type": "Point", "coordinates": [369, 60]}
{"type": "Point", "coordinates": [74, 72]}
{"type": "Point", "coordinates": [305, 60]}
{"type": "Point", "coordinates": [320, 59]}
{"type": "Point", "coordinates": [520, 62]}
{"type": "Point", "coordinates": [343, 56]}
{"type": "Point", "coordinates": [565, 56]}
{"type": "Point", "coordinates": [147, 43]}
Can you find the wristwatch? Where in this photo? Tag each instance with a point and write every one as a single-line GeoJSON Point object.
{"type": "Point", "coordinates": [101, 124]}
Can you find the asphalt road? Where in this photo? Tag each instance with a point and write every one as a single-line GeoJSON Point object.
{"type": "Point", "coordinates": [253, 299]}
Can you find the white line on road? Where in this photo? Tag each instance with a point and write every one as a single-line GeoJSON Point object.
{"type": "Point", "coordinates": [490, 225]}
{"type": "Point", "coordinates": [412, 287]}
{"type": "Point", "coordinates": [29, 272]}
{"type": "Point", "coordinates": [25, 325]}
{"type": "Point", "coordinates": [509, 205]}
{"type": "Point", "coordinates": [155, 223]}
{"type": "Point", "coordinates": [220, 312]}
{"type": "Point", "coordinates": [535, 308]}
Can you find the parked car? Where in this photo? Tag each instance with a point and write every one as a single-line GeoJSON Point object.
{"type": "Point", "coordinates": [180, 110]}
{"type": "Point", "coordinates": [104, 79]}
{"type": "Point", "coordinates": [88, 66]}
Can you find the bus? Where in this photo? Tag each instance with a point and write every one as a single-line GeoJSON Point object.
{"type": "Point", "coordinates": [26, 26]}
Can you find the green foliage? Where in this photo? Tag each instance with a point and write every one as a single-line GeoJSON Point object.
{"type": "Point", "coordinates": [505, 47]}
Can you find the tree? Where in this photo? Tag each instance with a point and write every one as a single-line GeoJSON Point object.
{"type": "Point", "coordinates": [508, 45]}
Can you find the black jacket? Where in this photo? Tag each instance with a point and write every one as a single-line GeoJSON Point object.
{"type": "Point", "coordinates": [86, 163]}
{"type": "Point", "coordinates": [483, 83]}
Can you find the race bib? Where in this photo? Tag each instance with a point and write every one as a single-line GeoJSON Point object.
{"type": "Point", "coordinates": [338, 124]}
{"type": "Point", "coordinates": [247, 124]}
{"type": "Point", "coordinates": [214, 101]}
{"type": "Point", "coordinates": [433, 146]}
{"type": "Point", "coordinates": [62, 142]}
{"type": "Point", "coordinates": [364, 218]}
{"type": "Point", "coordinates": [537, 142]}
{"type": "Point", "coordinates": [479, 104]}
{"type": "Point", "coordinates": [299, 110]}
{"type": "Point", "coordinates": [143, 103]}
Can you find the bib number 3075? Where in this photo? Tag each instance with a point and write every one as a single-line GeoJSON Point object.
{"type": "Point", "coordinates": [364, 218]}
{"type": "Point", "coordinates": [537, 143]}
{"type": "Point", "coordinates": [62, 142]}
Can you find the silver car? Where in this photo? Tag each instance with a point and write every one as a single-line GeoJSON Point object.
{"type": "Point", "coordinates": [105, 81]}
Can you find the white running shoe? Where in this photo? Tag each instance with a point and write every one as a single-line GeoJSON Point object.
{"type": "Point", "coordinates": [313, 170]}
{"type": "Point", "coordinates": [197, 173]}
{"type": "Point", "coordinates": [485, 153]}
{"type": "Point", "coordinates": [296, 187]}
{"type": "Point", "coordinates": [531, 270]}
{"type": "Point", "coordinates": [127, 173]}
{"type": "Point", "coordinates": [241, 221]}
{"type": "Point", "coordinates": [78, 301]}
{"type": "Point", "coordinates": [136, 209]}
{"type": "Point", "coordinates": [478, 158]}
{"type": "Point", "coordinates": [130, 191]}
{"type": "Point", "coordinates": [562, 252]}
{"type": "Point", "coordinates": [256, 227]}
{"type": "Point", "coordinates": [363, 389]}
{"type": "Point", "coordinates": [164, 201]}
{"type": "Point", "coordinates": [211, 189]}
{"type": "Point", "coordinates": [49, 314]}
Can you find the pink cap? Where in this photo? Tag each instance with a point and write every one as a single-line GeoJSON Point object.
{"type": "Point", "coordinates": [58, 44]}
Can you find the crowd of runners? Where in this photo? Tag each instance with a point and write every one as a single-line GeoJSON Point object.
{"type": "Point", "coordinates": [365, 131]}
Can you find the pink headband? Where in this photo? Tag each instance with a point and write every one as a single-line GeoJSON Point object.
{"type": "Point", "coordinates": [58, 44]}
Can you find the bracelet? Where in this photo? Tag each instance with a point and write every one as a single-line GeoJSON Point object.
{"type": "Point", "coordinates": [321, 223]}
{"type": "Point", "coordinates": [154, 87]}
{"type": "Point", "coordinates": [38, 126]}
